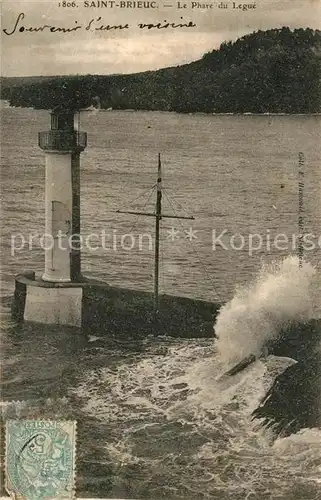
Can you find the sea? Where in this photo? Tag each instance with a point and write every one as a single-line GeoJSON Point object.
{"type": "Point", "coordinates": [154, 420]}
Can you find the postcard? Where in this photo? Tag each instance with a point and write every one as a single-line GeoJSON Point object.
{"type": "Point", "coordinates": [160, 251]}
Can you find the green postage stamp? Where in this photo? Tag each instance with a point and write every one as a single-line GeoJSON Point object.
{"type": "Point", "coordinates": [40, 459]}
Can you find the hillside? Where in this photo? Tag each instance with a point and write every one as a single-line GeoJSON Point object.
{"type": "Point", "coordinates": [278, 70]}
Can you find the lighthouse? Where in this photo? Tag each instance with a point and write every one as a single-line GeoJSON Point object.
{"type": "Point", "coordinates": [62, 145]}
{"type": "Point", "coordinates": [56, 296]}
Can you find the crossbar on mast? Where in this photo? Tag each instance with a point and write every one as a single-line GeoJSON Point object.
{"type": "Point", "coordinates": [152, 214]}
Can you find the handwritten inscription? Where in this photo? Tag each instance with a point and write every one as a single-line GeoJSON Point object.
{"type": "Point", "coordinates": [18, 27]}
{"type": "Point", "coordinates": [95, 24]}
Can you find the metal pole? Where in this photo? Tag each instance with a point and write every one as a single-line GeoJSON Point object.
{"type": "Point", "coordinates": [157, 224]}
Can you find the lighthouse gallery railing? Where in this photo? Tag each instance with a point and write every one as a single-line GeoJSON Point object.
{"type": "Point", "coordinates": [62, 140]}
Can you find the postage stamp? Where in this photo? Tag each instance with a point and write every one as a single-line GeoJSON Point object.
{"type": "Point", "coordinates": [40, 459]}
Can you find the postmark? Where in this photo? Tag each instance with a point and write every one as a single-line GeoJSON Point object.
{"type": "Point", "coordinates": [40, 459]}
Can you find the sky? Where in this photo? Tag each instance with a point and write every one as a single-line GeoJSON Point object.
{"type": "Point", "coordinates": [133, 49]}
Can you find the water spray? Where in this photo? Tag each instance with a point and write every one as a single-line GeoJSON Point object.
{"type": "Point", "coordinates": [256, 315]}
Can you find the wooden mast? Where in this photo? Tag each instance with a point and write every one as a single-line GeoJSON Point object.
{"type": "Point", "coordinates": [158, 217]}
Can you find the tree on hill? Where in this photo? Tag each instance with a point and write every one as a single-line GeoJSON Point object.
{"type": "Point", "coordinates": [277, 70]}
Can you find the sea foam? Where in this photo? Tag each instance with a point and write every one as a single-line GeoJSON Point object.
{"type": "Point", "coordinates": [280, 294]}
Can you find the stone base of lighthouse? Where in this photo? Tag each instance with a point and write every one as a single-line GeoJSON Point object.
{"type": "Point", "coordinates": [49, 303]}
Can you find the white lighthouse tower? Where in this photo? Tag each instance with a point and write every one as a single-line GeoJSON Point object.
{"type": "Point", "coordinates": [62, 144]}
{"type": "Point", "coordinates": [56, 297]}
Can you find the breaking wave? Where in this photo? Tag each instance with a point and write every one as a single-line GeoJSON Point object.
{"type": "Point", "coordinates": [280, 295]}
